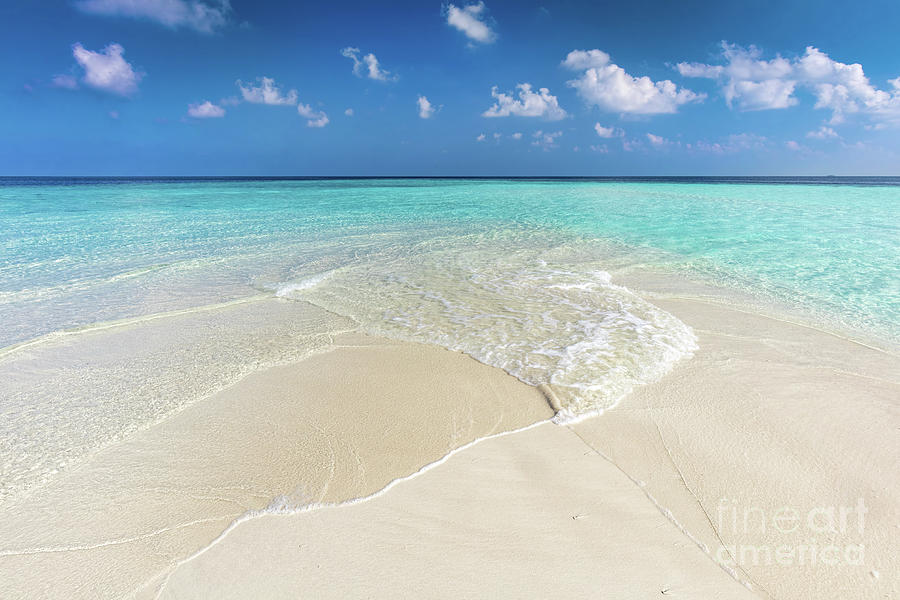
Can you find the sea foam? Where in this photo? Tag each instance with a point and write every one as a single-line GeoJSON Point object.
{"type": "Point", "coordinates": [545, 313]}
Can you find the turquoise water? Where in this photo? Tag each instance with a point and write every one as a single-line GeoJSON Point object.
{"type": "Point", "coordinates": [216, 279]}
{"type": "Point", "coordinates": [78, 254]}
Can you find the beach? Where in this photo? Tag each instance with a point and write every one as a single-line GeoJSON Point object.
{"type": "Point", "coordinates": [440, 474]}
{"type": "Point", "coordinates": [450, 414]}
{"type": "Point", "coordinates": [449, 300]}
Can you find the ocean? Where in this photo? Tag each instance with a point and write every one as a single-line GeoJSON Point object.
{"type": "Point", "coordinates": [123, 300]}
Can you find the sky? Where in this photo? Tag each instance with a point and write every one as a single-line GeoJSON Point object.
{"type": "Point", "coordinates": [256, 87]}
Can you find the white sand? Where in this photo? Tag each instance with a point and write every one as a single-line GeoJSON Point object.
{"type": "Point", "coordinates": [335, 426]}
{"type": "Point", "coordinates": [768, 416]}
{"type": "Point", "coordinates": [535, 514]}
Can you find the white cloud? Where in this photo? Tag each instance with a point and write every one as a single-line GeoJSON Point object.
{"type": "Point", "coordinates": [64, 81]}
{"type": "Point", "coordinates": [367, 66]}
{"type": "Point", "coordinates": [546, 140]}
{"type": "Point", "coordinates": [659, 142]}
{"type": "Point", "coordinates": [315, 118]}
{"type": "Point", "coordinates": [608, 132]}
{"type": "Point", "coordinates": [529, 104]}
{"type": "Point", "coordinates": [700, 70]}
{"type": "Point", "coordinates": [762, 95]}
{"type": "Point", "coordinates": [497, 136]}
{"type": "Point", "coordinates": [107, 70]}
{"type": "Point", "coordinates": [480, 138]}
{"type": "Point", "coordinates": [602, 149]}
{"type": "Point", "coordinates": [426, 109]}
{"type": "Point", "coordinates": [581, 60]}
{"type": "Point", "coordinates": [470, 21]}
{"type": "Point", "coordinates": [516, 136]}
{"type": "Point", "coordinates": [267, 93]}
{"type": "Point", "coordinates": [844, 88]}
{"type": "Point", "coordinates": [205, 110]}
{"type": "Point", "coordinates": [205, 17]}
{"type": "Point", "coordinates": [822, 133]}
{"type": "Point", "coordinates": [747, 81]}
{"type": "Point", "coordinates": [792, 145]}
{"type": "Point", "coordinates": [752, 83]}
{"type": "Point", "coordinates": [609, 87]}
{"type": "Point", "coordinates": [349, 112]}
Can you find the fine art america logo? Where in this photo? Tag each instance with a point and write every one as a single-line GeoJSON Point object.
{"type": "Point", "coordinates": [822, 535]}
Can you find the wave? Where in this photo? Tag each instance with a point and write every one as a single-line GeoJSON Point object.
{"type": "Point", "coordinates": [548, 316]}
{"type": "Point", "coordinates": [285, 290]}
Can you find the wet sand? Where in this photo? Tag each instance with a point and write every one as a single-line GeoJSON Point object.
{"type": "Point", "coordinates": [767, 417]}
{"type": "Point", "coordinates": [727, 478]}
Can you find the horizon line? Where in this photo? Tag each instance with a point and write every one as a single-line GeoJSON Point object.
{"type": "Point", "coordinates": [283, 176]}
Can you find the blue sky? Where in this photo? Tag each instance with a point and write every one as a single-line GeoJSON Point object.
{"type": "Point", "coordinates": [208, 87]}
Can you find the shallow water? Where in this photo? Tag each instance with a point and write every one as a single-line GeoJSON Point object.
{"type": "Point", "coordinates": [518, 274]}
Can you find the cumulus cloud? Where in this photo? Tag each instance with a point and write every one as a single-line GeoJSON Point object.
{"type": "Point", "coordinates": [792, 145]}
{"type": "Point", "coordinates": [546, 140]}
{"type": "Point", "coordinates": [426, 109]}
{"type": "Point", "coordinates": [266, 93]}
{"type": "Point", "coordinates": [349, 112]}
{"type": "Point", "coordinates": [607, 86]}
{"type": "Point", "coordinates": [470, 20]}
{"type": "Point", "coordinates": [747, 81]}
{"type": "Point", "coordinates": [657, 141]}
{"type": "Point", "coordinates": [823, 133]}
{"type": "Point", "coordinates": [516, 136]}
{"type": "Point", "coordinates": [480, 138]}
{"type": "Point", "coordinates": [580, 60]}
{"type": "Point", "coordinates": [608, 132]}
{"type": "Point", "coordinates": [367, 66]}
{"type": "Point", "coordinates": [844, 88]}
{"type": "Point", "coordinates": [107, 70]}
{"type": "Point", "coordinates": [752, 83]}
{"type": "Point", "coordinates": [529, 104]}
{"type": "Point", "coordinates": [762, 95]}
{"type": "Point", "coordinates": [314, 118]}
{"type": "Point", "coordinates": [205, 17]}
{"type": "Point", "coordinates": [205, 110]}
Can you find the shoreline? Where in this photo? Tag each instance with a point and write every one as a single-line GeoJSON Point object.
{"type": "Point", "coordinates": [338, 425]}
{"type": "Point", "coordinates": [771, 420]}
{"type": "Point", "coordinates": [512, 535]}
{"type": "Point", "coordinates": [675, 490]}
{"type": "Point", "coordinates": [632, 436]}
{"type": "Point", "coordinates": [653, 284]}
